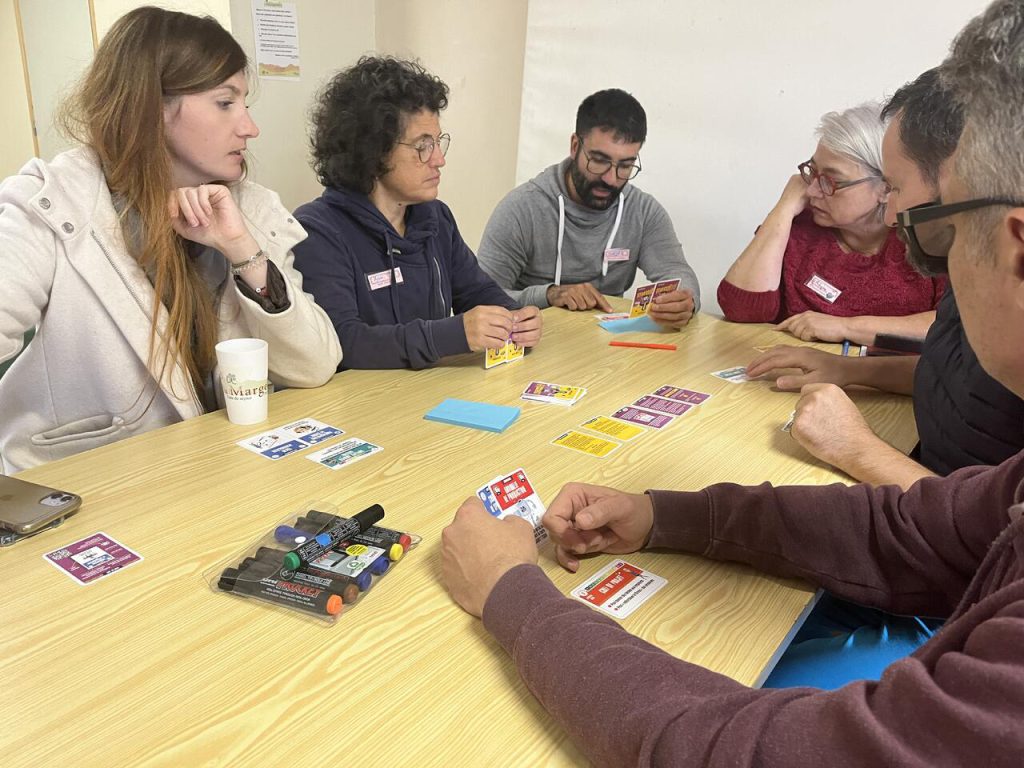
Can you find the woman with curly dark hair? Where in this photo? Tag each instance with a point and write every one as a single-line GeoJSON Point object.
{"type": "Point", "coordinates": [384, 256]}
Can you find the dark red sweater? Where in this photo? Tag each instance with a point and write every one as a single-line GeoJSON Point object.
{"type": "Point", "coordinates": [951, 546]}
{"type": "Point", "coordinates": [883, 284]}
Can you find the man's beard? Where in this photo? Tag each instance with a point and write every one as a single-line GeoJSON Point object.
{"type": "Point", "coordinates": [585, 188]}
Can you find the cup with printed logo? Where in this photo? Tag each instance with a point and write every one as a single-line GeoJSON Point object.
{"type": "Point", "coordinates": [242, 369]}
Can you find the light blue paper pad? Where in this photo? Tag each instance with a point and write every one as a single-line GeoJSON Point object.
{"type": "Point", "coordinates": [631, 324]}
{"type": "Point", "coordinates": [466, 413]}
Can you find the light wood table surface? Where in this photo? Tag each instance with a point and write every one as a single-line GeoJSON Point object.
{"type": "Point", "coordinates": [149, 666]}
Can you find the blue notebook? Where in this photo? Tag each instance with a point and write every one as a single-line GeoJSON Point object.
{"type": "Point", "coordinates": [466, 413]}
{"type": "Point", "coordinates": [631, 324]}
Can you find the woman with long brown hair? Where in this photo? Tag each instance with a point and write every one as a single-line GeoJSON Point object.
{"type": "Point", "coordinates": [134, 254]}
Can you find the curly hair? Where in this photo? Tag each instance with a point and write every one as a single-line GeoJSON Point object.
{"type": "Point", "coordinates": [360, 115]}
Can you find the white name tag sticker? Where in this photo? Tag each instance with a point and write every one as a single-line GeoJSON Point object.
{"type": "Point", "coordinates": [379, 280]}
{"type": "Point", "coordinates": [616, 254]}
{"type": "Point", "coordinates": [823, 288]}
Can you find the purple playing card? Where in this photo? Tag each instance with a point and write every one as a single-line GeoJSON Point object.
{"type": "Point", "coordinates": [639, 416]}
{"type": "Point", "coordinates": [92, 558]}
{"type": "Point", "coordinates": [674, 407]}
{"type": "Point", "coordinates": [682, 395]}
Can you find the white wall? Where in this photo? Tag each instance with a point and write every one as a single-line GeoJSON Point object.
{"type": "Point", "coordinates": [57, 55]}
{"type": "Point", "coordinates": [477, 49]}
{"type": "Point", "coordinates": [332, 34]}
{"type": "Point", "coordinates": [109, 11]}
{"type": "Point", "coordinates": [733, 92]}
{"type": "Point", "coordinates": [15, 124]}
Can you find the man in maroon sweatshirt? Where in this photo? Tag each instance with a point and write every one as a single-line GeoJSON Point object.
{"type": "Point", "coordinates": [951, 546]}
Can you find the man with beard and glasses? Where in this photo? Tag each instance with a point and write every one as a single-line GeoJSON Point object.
{"type": "Point", "coordinates": [964, 417]}
{"type": "Point", "coordinates": [579, 231]}
{"type": "Point", "coordinates": [950, 546]}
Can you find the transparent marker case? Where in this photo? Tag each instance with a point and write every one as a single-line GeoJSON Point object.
{"type": "Point", "coordinates": [323, 587]}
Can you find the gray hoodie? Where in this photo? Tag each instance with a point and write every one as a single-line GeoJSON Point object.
{"type": "Point", "coordinates": [520, 245]}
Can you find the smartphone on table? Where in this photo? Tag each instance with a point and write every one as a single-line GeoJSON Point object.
{"type": "Point", "coordinates": [27, 508]}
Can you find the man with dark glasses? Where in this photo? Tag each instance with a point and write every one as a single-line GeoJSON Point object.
{"type": "Point", "coordinates": [951, 546]}
{"type": "Point", "coordinates": [964, 417]}
{"type": "Point", "coordinates": [579, 231]}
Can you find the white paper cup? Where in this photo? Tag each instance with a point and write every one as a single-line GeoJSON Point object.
{"type": "Point", "coordinates": [242, 364]}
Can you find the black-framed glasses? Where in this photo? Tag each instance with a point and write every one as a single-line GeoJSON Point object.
{"type": "Point", "coordinates": [599, 166]}
{"type": "Point", "coordinates": [425, 147]}
{"type": "Point", "coordinates": [826, 183]}
{"type": "Point", "coordinates": [929, 238]}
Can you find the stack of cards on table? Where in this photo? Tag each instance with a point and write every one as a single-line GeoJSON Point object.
{"type": "Point", "coordinates": [646, 294]}
{"type": "Point", "coordinates": [506, 354]}
{"type": "Point", "coordinates": [737, 375]}
{"type": "Point", "coordinates": [559, 394]}
{"type": "Point", "coordinates": [514, 495]}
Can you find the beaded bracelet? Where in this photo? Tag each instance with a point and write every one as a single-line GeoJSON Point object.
{"type": "Point", "coordinates": [254, 261]}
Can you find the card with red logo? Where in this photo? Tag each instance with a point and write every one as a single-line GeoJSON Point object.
{"type": "Point", "coordinates": [514, 495]}
{"type": "Point", "coordinates": [619, 589]}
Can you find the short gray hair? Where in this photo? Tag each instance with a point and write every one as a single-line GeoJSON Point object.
{"type": "Point", "coordinates": [985, 73]}
{"type": "Point", "coordinates": [855, 133]}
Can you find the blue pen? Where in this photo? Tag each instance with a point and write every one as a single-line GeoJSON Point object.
{"type": "Point", "coordinates": [846, 348]}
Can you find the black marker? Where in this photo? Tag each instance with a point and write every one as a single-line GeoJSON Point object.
{"type": "Point", "coordinates": [338, 583]}
{"type": "Point", "coordinates": [339, 531]}
{"type": "Point", "coordinates": [290, 593]}
{"type": "Point", "coordinates": [374, 536]}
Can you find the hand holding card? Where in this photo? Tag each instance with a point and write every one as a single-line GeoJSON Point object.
{"type": "Point", "coordinates": [477, 550]}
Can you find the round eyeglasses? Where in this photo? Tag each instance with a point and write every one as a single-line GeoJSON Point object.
{"type": "Point", "coordinates": [599, 166]}
{"type": "Point", "coordinates": [425, 147]}
{"type": "Point", "coordinates": [826, 183]}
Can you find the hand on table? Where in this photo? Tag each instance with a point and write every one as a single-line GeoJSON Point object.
{"type": "Point", "coordinates": [674, 309]}
{"type": "Point", "coordinates": [829, 426]}
{"type": "Point", "coordinates": [815, 326]}
{"type": "Point", "coordinates": [583, 519]}
{"type": "Point", "coordinates": [476, 551]}
{"type": "Point", "coordinates": [818, 367]}
{"type": "Point", "coordinates": [527, 326]}
{"type": "Point", "coordinates": [577, 297]}
{"type": "Point", "coordinates": [487, 327]}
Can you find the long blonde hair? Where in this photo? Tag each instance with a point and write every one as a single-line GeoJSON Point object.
{"type": "Point", "coordinates": [148, 56]}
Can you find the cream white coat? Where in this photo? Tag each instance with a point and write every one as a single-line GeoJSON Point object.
{"type": "Point", "coordinates": [82, 382]}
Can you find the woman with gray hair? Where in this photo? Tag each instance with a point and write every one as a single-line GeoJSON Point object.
{"type": "Point", "coordinates": [824, 265]}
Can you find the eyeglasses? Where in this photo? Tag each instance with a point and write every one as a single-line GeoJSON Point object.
{"type": "Point", "coordinates": [624, 171]}
{"type": "Point", "coordinates": [828, 185]}
{"type": "Point", "coordinates": [425, 148]}
{"type": "Point", "coordinates": [929, 239]}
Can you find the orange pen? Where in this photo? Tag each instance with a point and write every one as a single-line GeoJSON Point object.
{"type": "Point", "coordinates": [671, 347]}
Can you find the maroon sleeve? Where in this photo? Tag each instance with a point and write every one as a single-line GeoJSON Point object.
{"type": "Point", "coordinates": [742, 306]}
{"type": "Point", "coordinates": [956, 701]}
{"type": "Point", "coordinates": [909, 553]}
{"type": "Point", "coordinates": [624, 702]}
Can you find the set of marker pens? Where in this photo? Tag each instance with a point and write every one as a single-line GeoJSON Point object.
{"type": "Point", "coordinates": [316, 562]}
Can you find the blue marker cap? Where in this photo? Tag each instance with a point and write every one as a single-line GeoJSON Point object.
{"type": "Point", "coordinates": [364, 579]}
{"type": "Point", "coordinates": [288, 535]}
{"type": "Point", "coordinates": [380, 566]}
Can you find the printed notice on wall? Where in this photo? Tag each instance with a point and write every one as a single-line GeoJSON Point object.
{"type": "Point", "coordinates": [276, 29]}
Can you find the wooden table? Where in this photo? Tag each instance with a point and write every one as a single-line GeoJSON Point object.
{"type": "Point", "coordinates": [151, 667]}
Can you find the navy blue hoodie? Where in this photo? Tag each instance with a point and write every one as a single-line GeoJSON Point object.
{"type": "Point", "coordinates": [391, 297]}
